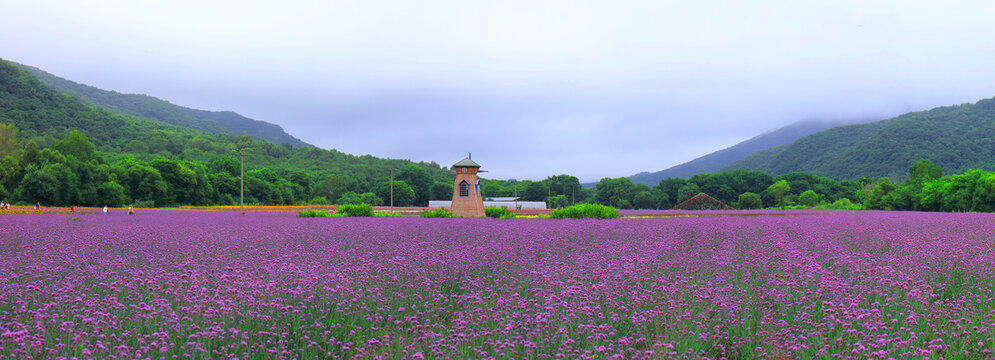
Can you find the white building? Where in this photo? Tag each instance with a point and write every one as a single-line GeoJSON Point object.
{"type": "Point", "coordinates": [510, 202]}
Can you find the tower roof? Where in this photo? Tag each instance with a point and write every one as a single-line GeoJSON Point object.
{"type": "Point", "coordinates": [466, 162]}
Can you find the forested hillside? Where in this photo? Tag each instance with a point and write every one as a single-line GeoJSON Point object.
{"type": "Point", "coordinates": [957, 138]}
{"type": "Point", "coordinates": [717, 160]}
{"type": "Point", "coordinates": [57, 150]}
{"type": "Point", "coordinates": [160, 110]}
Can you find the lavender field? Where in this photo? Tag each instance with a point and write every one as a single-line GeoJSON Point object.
{"type": "Point", "coordinates": [198, 284]}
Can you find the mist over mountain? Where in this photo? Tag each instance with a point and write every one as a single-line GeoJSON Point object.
{"type": "Point", "coordinates": [957, 138]}
{"type": "Point", "coordinates": [717, 160]}
{"type": "Point", "coordinates": [161, 110]}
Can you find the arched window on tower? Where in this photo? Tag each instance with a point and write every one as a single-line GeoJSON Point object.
{"type": "Point", "coordinates": [464, 189]}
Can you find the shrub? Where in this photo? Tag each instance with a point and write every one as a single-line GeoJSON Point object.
{"type": "Point", "coordinates": [580, 211]}
{"type": "Point", "coordinates": [439, 213]}
{"type": "Point", "coordinates": [354, 210]}
{"type": "Point", "coordinates": [845, 204]}
{"type": "Point", "coordinates": [313, 213]}
{"type": "Point", "coordinates": [387, 214]}
{"type": "Point", "coordinates": [320, 200]}
{"type": "Point", "coordinates": [498, 212]}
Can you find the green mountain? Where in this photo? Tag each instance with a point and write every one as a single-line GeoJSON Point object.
{"type": "Point", "coordinates": [41, 113]}
{"type": "Point", "coordinates": [57, 150]}
{"type": "Point", "coordinates": [717, 160]}
{"type": "Point", "coordinates": [957, 138]}
{"type": "Point", "coordinates": [160, 110]}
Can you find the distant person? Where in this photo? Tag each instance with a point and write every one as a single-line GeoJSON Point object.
{"type": "Point", "coordinates": [37, 205]}
{"type": "Point", "coordinates": [131, 209]}
{"type": "Point", "coordinates": [105, 209]}
{"type": "Point", "coordinates": [72, 209]}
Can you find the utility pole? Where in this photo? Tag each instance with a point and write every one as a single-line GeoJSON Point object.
{"type": "Point", "coordinates": [241, 180]}
{"type": "Point", "coordinates": [391, 188]}
{"type": "Point", "coordinates": [573, 195]}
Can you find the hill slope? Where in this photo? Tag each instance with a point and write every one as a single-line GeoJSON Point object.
{"type": "Point", "coordinates": [38, 111]}
{"type": "Point", "coordinates": [717, 160]}
{"type": "Point", "coordinates": [957, 138]}
{"type": "Point", "coordinates": [42, 118]}
{"type": "Point", "coordinates": [160, 110]}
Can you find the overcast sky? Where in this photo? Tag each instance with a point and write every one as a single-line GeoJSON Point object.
{"type": "Point", "coordinates": [531, 88]}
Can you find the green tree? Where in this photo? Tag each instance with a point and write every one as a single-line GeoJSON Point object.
{"type": "Point", "coordinates": [923, 171]}
{"type": "Point", "coordinates": [136, 147]}
{"type": "Point", "coordinates": [808, 199]}
{"type": "Point", "coordinates": [142, 182]}
{"type": "Point", "coordinates": [420, 182]}
{"type": "Point", "coordinates": [51, 156]}
{"type": "Point", "coordinates": [11, 172]}
{"type": "Point", "coordinates": [778, 190]}
{"type": "Point", "coordinates": [302, 179]}
{"type": "Point", "coordinates": [181, 182]}
{"type": "Point", "coordinates": [227, 164]}
{"type": "Point", "coordinates": [612, 192]}
{"type": "Point", "coordinates": [536, 191]}
{"type": "Point", "coordinates": [365, 198]}
{"type": "Point", "coordinates": [749, 200]}
{"type": "Point", "coordinates": [566, 185]}
{"type": "Point", "coordinates": [644, 200]}
{"type": "Point", "coordinates": [260, 191]}
{"type": "Point", "coordinates": [557, 201]}
{"type": "Point", "coordinates": [403, 194]}
{"type": "Point", "coordinates": [31, 154]}
{"type": "Point", "coordinates": [671, 186]}
{"type": "Point", "coordinates": [112, 194]}
{"type": "Point", "coordinates": [53, 184]}
{"type": "Point", "coordinates": [876, 200]}
{"type": "Point", "coordinates": [89, 175]}
{"type": "Point", "coordinates": [331, 187]}
{"type": "Point", "coordinates": [226, 188]}
{"type": "Point", "coordinates": [76, 144]}
{"type": "Point", "coordinates": [687, 191]}
{"type": "Point", "coordinates": [8, 140]}
{"type": "Point", "coordinates": [661, 199]}
{"type": "Point", "coordinates": [444, 191]}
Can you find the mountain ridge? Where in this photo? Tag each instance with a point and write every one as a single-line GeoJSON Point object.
{"type": "Point", "coordinates": [957, 138]}
{"type": "Point", "coordinates": [717, 160]}
{"type": "Point", "coordinates": [153, 108]}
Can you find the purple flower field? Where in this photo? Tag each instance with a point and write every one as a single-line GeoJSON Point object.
{"type": "Point", "coordinates": [198, 284]}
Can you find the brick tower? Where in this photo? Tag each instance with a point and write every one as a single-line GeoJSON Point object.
{"type": "Point", "coordinates": [467, 201]}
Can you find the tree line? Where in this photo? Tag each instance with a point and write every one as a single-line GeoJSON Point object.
{"type": "Point", "coordinates": [71, 171]}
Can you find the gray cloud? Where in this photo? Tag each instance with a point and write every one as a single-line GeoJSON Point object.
{"type": "Point", "coordinates": [584, 88]}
